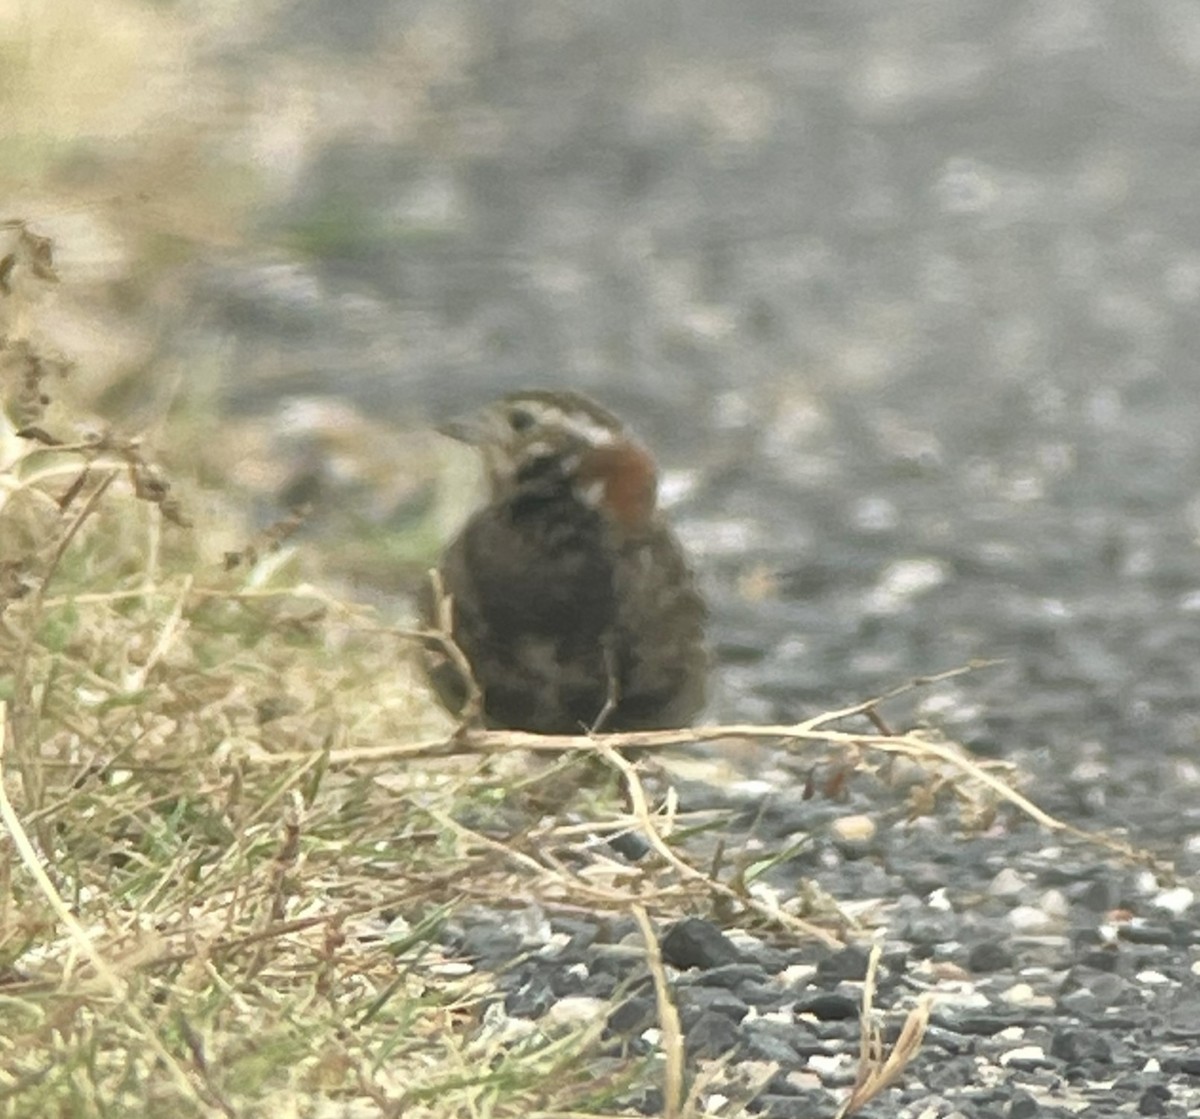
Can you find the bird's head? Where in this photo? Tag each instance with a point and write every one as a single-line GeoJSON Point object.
{"type": "Point", "coordinates": [543, 438]}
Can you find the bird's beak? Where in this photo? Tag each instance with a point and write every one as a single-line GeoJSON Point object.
{"type": "Point", "coordinates": [466, 429]}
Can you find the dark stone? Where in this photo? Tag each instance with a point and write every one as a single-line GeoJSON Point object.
{"type": "Point", "coordinates": [693, 1002]}
{"type": "Point", "coordinates": [1186, 931]}
{"type": "Point", "coordinates": [926, 930]}
{"type": "Point", "coordinates": [923, 951]}
{"type": "Point", "coordinates": [619, 930]}
{"type": "Point", "coordinates": [758, 1046]}
{"type": "Point", "coordinates": [829, 1007]}
{"type": "Point", "coordinates": [630, 845]}
{"type": "Point", "coordinates": [711, 1035]}
{"type": "Point", "coordinates": [601, 985]}
{"type": "Point", "coordinates": [1023, 1106]}
{"type": "Point", "coordinates": [568, 981]}
{"type": "Point", "coordinates": [1081, 1003]}
{"type": "Point", "coordinates": [948, 1075]}
{"type": "Point", "coordinates": [991, 955]}
{"type": "Point", "coordinates": [771, 959]}
{"type": "Point", "coordinates": [760, 994]}
{"type": "Point", "coordinates": [1148, 934]}
{"type": "Point", "coordinates": [694, 942]}
{"type": "Point", "coordinates": [1100, 959]}
{"type": "Point", "coordinates": [948, 1040]}
{"type": "Point", "coordinates": [1076, 1046]}
{"type": "Point", "coordinates": [840, 1033]}
{"type": "Point", "coordinates": [617, 962]}
{"type": "Point", "coordinates": [798, 1035]}
{"type": "Point", "coordinates": [490, 946]}
{"type": "Point", "coordinates": [730, 976]}
{"type": "Point", "coordinates": [974, 1022]}
{"type": "Point", "coordinates": [1098, 896]}
{"type": "Point", "coordinates": [1187, 1063]}
{"type": "Point", "coordinates": [850, 963]}
{"type": "Point", "coordinates": [1153, 1101]}
{"type": "Point", "coordinates": [632, 1016]}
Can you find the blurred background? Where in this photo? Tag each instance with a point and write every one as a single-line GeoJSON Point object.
{"type": "Point", "coordinates": [905, 295]}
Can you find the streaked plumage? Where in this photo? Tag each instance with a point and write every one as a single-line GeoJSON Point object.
{"type": "Point", "coordinates": [568, 587]}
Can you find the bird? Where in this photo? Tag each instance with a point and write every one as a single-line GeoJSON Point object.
{"type": "Point", "coordinates": [567, 596]}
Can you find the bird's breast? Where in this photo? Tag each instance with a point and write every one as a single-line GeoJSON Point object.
{"type": "Point", "coordinates": [542, 570]}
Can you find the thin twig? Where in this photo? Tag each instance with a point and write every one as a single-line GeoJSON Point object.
{"type": "Point", "coordinates": [668, 1019]}
{"type": "Point", "coordinates": [471, 714]}
{"type": "Point", "coordinates": [915, 744]}
{"type": "Point", "coordinates": [167, 635]}
{"type": "Point", "coordinates": [875, 1071]}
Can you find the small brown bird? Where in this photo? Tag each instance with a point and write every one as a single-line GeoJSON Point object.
{"type": "Point", "coordinates": [571, 599]}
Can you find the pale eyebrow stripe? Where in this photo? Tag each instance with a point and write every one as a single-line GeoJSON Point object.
{"type": "Point", "coordinates": [577, 423]}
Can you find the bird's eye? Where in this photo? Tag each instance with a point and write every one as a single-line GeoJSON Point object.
{"type": "Point", "coordinates": [520, 420]}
